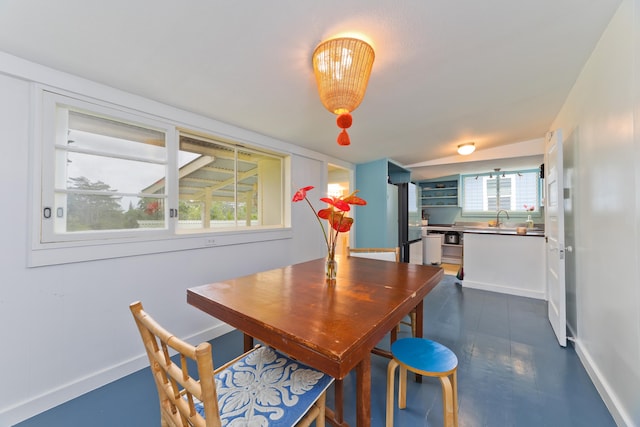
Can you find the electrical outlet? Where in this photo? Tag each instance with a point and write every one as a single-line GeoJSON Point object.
{"type": "Point", "coordinates": [209, 242]}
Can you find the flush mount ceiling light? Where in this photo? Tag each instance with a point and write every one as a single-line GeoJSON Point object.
{"type": "Point", "coordinates": [342, 67]}
{"type": "Point", "coordinates": [467, 148]}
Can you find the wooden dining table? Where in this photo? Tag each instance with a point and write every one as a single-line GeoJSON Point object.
{"type": "Point", "coordinates": [331, 326]}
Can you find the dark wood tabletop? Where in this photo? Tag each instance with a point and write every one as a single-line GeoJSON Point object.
{"type": "Point", "coordinates": [330, 326]}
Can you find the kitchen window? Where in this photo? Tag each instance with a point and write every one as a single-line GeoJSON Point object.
{"type": "Point", "coordinates": [516, 192]}
{"type": "Point", "coordinates": [110, 175]}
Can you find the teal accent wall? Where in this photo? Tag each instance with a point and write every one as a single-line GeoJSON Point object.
{"type": "Point", "coordinates": [376, 223]}
{"type": "Point", "coordinates": [397, 174]}
{"type": "Point", "coordinates": [443, 215]}
{"type": "Point", "coordinates": [370, 223]}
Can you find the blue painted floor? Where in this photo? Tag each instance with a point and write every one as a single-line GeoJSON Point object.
{"type": "Point", "coordinates": [511, 372]}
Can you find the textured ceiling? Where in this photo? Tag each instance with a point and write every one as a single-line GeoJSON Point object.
{"type": "Point", "coordinates": [495, 71]}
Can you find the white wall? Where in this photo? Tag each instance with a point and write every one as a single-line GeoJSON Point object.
{"type": "Point", "coordinates": [67, 329]}
{"type": "Point", "coordinates": [602, 113]}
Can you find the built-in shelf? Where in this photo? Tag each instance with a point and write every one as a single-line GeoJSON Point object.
{"type": "Point", "coordinates": [439, 194]}
{"type": "Point", "coordinates": [452, 254]}
{"type": "Point", "coordinates": [449, 253]}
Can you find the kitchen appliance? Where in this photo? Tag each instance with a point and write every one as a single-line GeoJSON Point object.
{"type": "Point", "coordinates": [452, 238]}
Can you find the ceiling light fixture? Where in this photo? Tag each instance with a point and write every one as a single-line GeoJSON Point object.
{"type": "Point", "coordinates": [342, 67]}
{"type": "Point", "coordinates": [467, 148]}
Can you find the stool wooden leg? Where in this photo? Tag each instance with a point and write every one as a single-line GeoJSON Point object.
{"type": "Point", "coordinates": [402, 388]}
{"type": "Point", "coordinates": [447, 402]}
{"type": "Point", "coordinates": [454, 386]}
{"type": "Point", "coordinates": [391, 379]}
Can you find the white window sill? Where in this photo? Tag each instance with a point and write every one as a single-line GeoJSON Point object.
{"type": "Point", "coordinates": [64, 253]}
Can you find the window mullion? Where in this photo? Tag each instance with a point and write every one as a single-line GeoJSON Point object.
{"type": "Point", "coordinates": [172, 180]}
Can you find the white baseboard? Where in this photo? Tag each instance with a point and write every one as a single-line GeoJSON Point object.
{"type": "Point", "coordinates": [504, 289]}
{"type": "Point", "coordinates": [57, 396]}
{"type": "Point", "coordinates": [620, 416]}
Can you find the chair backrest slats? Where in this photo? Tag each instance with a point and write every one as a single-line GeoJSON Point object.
{"type": "Point", "coordinates": [177, 388]}
{"type": "Point", "coordinates": [387, 254]}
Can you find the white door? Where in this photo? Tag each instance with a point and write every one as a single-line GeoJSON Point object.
{"type": "Point", "coordinates": [554, 231]}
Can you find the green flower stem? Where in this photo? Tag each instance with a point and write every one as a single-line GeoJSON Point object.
{"type": "Point", "coordinates": [321, 226]}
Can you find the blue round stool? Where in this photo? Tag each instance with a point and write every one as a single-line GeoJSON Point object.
{"type": "Point", "coordinates": [428, 358]}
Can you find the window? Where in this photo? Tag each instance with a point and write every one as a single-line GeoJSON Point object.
{"type": "Point", "coordinates": [513, 191]}
{"type": "Point", "coordinates": [108, 173]}
{"type": "Point", "coordinates": [95, 172]}
{"type": "Point", "coordinates": [225, 186]}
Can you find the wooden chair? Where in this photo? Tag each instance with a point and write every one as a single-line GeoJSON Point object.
{"type": "Point", "coordinates": [428, 358]}
{"type": "Point", "coordinates": [387, 254]}
{"type": "Point", "coordinates": [296, 394]}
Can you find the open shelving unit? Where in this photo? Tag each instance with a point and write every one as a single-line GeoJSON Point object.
{"type": "Point", "coordinates": [439, 194]}
{"type": "Point", "coordinates": [452, 254]}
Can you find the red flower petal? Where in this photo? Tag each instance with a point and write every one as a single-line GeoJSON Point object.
{"type": "Point", "coordinates": [337, 203]}
{"type": "Point", "coordinates": [355, 200]}
{"type": "Point", "coordinates": [301, 193]}
{"type": "Point", "coordinates": [325, 213]}
{"type": "Point", "coordinates": [341, 223]}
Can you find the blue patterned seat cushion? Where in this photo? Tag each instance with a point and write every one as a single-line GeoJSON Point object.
{"type": "Point", "coordinates": [267, 388]}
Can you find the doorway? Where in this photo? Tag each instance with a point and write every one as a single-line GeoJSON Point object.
{"type": "Point", "coordinates": [339, 184]}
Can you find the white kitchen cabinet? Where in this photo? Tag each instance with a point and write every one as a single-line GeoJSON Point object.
{"type": "Point", "coordinates": [509, 264]}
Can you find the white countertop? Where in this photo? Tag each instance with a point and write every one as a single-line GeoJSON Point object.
{"type": "Point", "coordinates": [478, 229]}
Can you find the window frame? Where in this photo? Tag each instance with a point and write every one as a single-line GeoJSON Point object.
{"type": "Point", "coordinates": [119, 243]}
{"type": "Point", "coordinates": [51, 101]}
{"type": "Point", "coordinates": [517, 213]}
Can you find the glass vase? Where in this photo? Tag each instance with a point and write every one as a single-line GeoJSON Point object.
{"type": "Point", "coordinates": [529, 222]}
{"type": "Point", "coordinates": [331, 269]}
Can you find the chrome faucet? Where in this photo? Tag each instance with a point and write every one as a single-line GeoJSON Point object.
{"type": "Point", "coordinates": [498, 216]}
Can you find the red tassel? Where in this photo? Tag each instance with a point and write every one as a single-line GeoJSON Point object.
{"type": "Point", "coordinates": [344, 122]}
{"type": "Point", "coordinates": [343, 138]}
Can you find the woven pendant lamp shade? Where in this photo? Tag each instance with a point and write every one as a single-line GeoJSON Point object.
{"type": "Point", "coordinates": [342, 67]}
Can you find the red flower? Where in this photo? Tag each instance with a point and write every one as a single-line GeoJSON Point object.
{"type": "Point", "coordinates": [337, 203]}
{"type": "Point", "coordinates": [352, 199]}
{"type": "Point", "coordinates": [334, 214]}
{"type": "Point", "coordinates": [301, 194]}
{"type": "Point", "coordinates": [341, 223]}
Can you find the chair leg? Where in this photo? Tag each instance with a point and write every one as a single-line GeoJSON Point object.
{"type": "Point", "coordinates": [402, 388]}
{"type": "Point", "coordinates": [322, 404]}
{"type": "Point", "coordinates": [413, 323]}
{"type": "Point", "coordinates": [447, 402]}
{"type": "Point", "coordinates": [391, 379]}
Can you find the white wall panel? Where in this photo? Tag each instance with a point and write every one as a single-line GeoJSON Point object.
{"type": "Point", "coordinates": [600, 113]}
